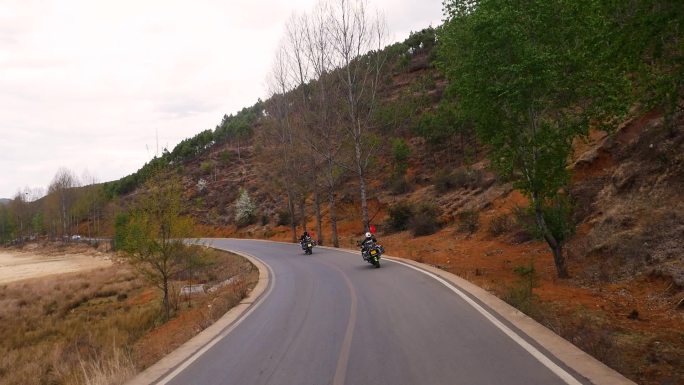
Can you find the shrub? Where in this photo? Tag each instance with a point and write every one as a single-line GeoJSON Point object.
{"type": "Point", "coordinates": [501, 224]}
{"type": "Point", "coordinates": [284, 218]}
{"type": "Point", "coordinates": [557, 214]}
{"type": "Point", "coordinates": [469, 178]}
{"type": "Point", "coordinates": [245, 211]}
{"type": "Point", "coordinates": [225, 156]}
{"type": "Point", "coordinates": [206, 167]}
{"type": "Point", "coordinates": [461, 178]}
{"type": "Point", "coordinates": [400, 152]}
{"type": "Point", "coordinates": [399, 216]}
{"type": "Point", "coordinates": [444, 181]}
{"type": "Point", "coordinates": [524, 217]}
{"type": "Point", "coordinates": [399, 185]}
{"type": "Point", "coordinates": [201, 185]}
{"type": "Point", "coordinates": [424, 221]}
{"type": "Point", "coordinates": [520, 295]}
{"type": "Point", "coordinates": [468, 221]}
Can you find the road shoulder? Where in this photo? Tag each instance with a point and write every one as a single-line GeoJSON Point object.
{"type": "Point", "coordinates": [587, 366]}
{"type": "Point", "coordinates": [179, 356]}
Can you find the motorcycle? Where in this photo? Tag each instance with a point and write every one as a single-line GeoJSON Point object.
{"type": "Point", "coordinates": [371, 253]}
{"type": "Point", "coordinates": [308, 245]}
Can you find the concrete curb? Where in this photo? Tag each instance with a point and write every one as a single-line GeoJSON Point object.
{"type": "Point", "coordinates": [172, 360]}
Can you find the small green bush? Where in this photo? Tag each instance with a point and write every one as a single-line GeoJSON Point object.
{"type": "Point", "coordinates": [225, 156]}
{"type": "Point", "coordinates": [399, 185]}
{"type": "Point", "coordinates": [399, 216]}
{"type": "Point", "coordinates": [469, 178]}
{"type": "Point", "coordinates": [424, 221]}
{"type": "Point", "coordinates": [557, 214]}
{"type": "Point", "coordinates": [461, 178]}
{"type": "Point", "coordinates": [444, 181]}
{"type": "Point", "coordinates": [284, 218]}
{"type": "Point", "coordinates": [501, 224]}
{"type": "Point", "coordinates": [520, 295]}
{"type": "Point", "coordinates": [400, 152]}
{"type": "Point", "coordinates": [524, 217]}
{"type": "Point", "coordinates": [206, 167]}
{"type": "Point", "coordinates": [468, 221]}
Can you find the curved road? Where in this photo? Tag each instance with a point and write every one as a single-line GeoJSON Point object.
{"type": "Point", "coordinates": [330, 318]}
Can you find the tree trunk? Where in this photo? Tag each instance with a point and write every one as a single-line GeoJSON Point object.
{"type": "Point", "coordinates": [293, 221]}
{"type": "Point", "coordinates": [362, 187]}
{"type": "Point", "coordinates": [319, 219]}
{"type": "Point", "coordinates": [238, 149]}
{"type": "Point", "coordinates": [554, 244]}
{"type": "Point", "coordinates": [559, 260]}
{"type": "Point", "coordinates": [333, 217]}
{"type": "Point", "coordinates": [302, 212]}
{"type": "Point", "coordinates": [167, 305]}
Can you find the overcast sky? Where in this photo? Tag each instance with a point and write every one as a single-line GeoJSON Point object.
{"type": "Point", "coordinates": [87, 84]}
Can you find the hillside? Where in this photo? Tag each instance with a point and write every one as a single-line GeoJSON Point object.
{"type": "Point", "coordinates": [435, 197]}
{"type": "Point", "coordinates": [625, 294]}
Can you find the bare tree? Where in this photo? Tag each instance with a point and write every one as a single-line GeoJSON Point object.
{"type": "Point", "coordinates": [61, 189]}
{"type": "Point", "coordinates": [297, 46]}
{"type": "Point", "coordinates": [326, 137]}
{"type": "Point", "coordinates": [20, 208]}
{"type": "Point", "coordinates": [280, 133]}
{"type": "Point", "coordinates": [357, 42]}
{"type": "Point", "coordinates": [93, 200]}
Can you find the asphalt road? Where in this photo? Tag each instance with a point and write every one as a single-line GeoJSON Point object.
{"type": "Point", "coordinates": [331, 318]}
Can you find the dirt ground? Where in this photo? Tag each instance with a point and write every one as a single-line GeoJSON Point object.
{"type": "Point", "coordinates": [16, 265]}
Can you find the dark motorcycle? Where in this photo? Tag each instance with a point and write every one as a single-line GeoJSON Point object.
{"type": "Point", "coordinates": [371, 253]}
{"type": "Point", "coordinates": [308, 245]}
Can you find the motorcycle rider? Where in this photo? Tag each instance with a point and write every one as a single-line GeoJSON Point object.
{"type": "Point", "coordinates": [367, 241]}
{"type": "Point", "coordinates": [305, 236]}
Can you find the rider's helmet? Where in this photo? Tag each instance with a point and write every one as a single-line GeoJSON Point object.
{"type": "Point", "coordinates": [368, 234]}
{"type": "Point", "coordinates": [306, 234]}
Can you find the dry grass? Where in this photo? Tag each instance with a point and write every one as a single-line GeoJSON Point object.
{"type": "Point", "coordinates": [195, 313]}
{"type": "Point", "coordinates": [111, 368]}
{"type": "Point", "coordinates": [84, 328]}
{"type": "Point", "coordinates": [67, 321]}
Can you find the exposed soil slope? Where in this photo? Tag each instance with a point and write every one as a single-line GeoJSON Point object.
{"type": "Point", "coordinates": [623, 303]}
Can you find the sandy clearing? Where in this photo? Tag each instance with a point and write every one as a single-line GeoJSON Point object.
{"type": "Point", "coordinates": [17, 266]}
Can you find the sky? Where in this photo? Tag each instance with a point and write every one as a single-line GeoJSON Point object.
{"type": "Point", "coordinates": [101, 86]}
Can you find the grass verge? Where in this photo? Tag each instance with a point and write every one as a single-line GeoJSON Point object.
{"type": "Point", "coordinates": [103, 326]}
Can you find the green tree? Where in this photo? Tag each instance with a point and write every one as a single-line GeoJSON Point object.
{"type": "Point", "coordinates": [7, 226]}
{"type": "Point", "coordinates": [401, 152]}
{"type": "Point", "coordinates": [647, 43]}
{"type": "Point", "coordinates": [524, 72]}
{"type": "Point", "coordinates": [152, 234]}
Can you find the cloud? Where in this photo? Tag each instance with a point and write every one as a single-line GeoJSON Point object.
{"type": "Point", "coordinates": [95, 84]}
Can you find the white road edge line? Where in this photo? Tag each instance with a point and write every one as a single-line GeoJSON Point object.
{"type": "Point", "coordinates": [557, 370]}
{"type": "Point", "coordinates": [219, 337]}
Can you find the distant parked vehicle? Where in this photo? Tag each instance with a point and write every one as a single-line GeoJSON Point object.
{"type": "Point", "coordinates": [75, 237]}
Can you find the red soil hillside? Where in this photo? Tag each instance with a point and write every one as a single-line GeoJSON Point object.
{"type": "Point", "coordinates": [624, 302]}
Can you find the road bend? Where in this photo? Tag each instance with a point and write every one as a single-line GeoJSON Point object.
{"type": "Point", "coordinates": [331, 318]}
